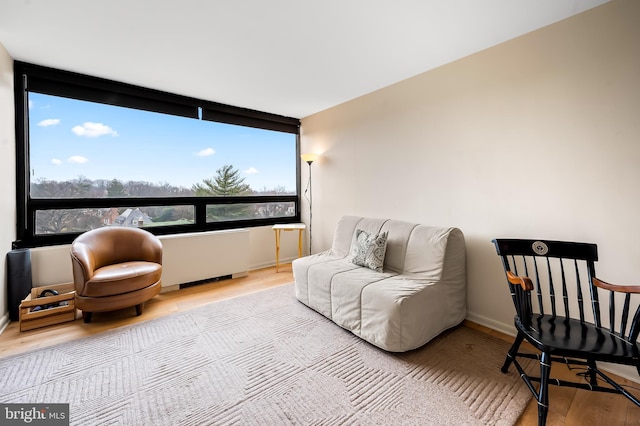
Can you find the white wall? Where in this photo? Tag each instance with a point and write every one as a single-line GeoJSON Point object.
{"type": "Point", "coordinates": [538, 137]}
{"type": "Point", "coordinates": [7, 173]}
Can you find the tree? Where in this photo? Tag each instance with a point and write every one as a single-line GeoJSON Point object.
{"type": "Point", "coordinates": [227, 182]}
{"type": "Point", "coordinates": [115, 188]}
{"type": "Point", "coordinates": [82, 187]}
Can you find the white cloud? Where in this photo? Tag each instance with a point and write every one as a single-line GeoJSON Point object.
{"type": "Point", "coordinates": [93, 130]}
{"type": "Point", "coordinates": [56, 162]}
{"type": "Point", "coordinates": [206, 152]}
{"type": "Point", "coordinates": [77, 159]}
{"type": "Point", "coordinates": [30, 104]}
{"type": "Point", "coordinates": [49, 122]}
{"type": "Point", "coordinates": [251, 171]}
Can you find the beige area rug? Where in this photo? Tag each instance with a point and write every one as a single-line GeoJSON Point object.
{"type": "Point", "coordinates": [265, 359]}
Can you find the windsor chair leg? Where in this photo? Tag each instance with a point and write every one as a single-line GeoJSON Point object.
{"type": "Point", "coordinates": [543, 393]}
{"type": "Point", "coordinates": [512, 352]}
{"type": "Point", "coordinates": [591, 375]}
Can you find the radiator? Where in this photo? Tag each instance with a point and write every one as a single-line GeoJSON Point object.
{"type": "Point", "coordinates": [189, 258]}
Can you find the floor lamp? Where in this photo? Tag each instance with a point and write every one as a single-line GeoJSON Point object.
{"type": "Point", "coordinates": [309, 158]}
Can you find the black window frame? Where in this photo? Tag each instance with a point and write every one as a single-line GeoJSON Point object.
{"type": "Point", "coordinates": [40, 79]}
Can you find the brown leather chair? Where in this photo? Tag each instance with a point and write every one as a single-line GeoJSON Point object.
{"type": "Point", "coordinates": [115, 267]}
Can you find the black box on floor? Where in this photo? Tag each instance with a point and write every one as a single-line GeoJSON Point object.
{"type": "Point", "coordinates": [19, 280]}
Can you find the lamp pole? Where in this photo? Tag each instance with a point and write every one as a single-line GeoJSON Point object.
{"type": "Point", "coordinates": [309, 159]}
{"type": "Point", "coordinates": [310, 204]}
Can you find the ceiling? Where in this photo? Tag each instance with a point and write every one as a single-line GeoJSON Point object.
{"type": "Point", "coordinates": [288, 57]}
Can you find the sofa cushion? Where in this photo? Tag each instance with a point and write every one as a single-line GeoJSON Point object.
{"type": "Point", "coordinates": [319, 276]}
{"type": "Point", "coordinates": [368, 249]}
{"type": "Point", "coordinates": [436, 254]}
{"type": "Point", "coordinates": [346, 290]}
{"type": "Point", "coordinates": [397, 241]}
{"type": "Point", "coordinates": [400, 314]}
{"type": "Point", "coordinates": [300, 269]}
{"type": "Point", "coordinates": [343, 235]}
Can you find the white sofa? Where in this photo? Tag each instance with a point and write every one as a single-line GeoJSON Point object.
{"type": "Point", "coordinates": [420, 292]}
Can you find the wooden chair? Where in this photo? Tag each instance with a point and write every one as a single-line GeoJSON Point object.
{"type": "Point", "coordinates": [573, 317]}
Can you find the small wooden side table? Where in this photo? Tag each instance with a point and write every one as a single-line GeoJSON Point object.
{"type": "Point", "coordinates": [288, 227]}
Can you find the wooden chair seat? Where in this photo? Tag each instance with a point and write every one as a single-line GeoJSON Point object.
{"type": "Point", "coordinates": [577, 339]}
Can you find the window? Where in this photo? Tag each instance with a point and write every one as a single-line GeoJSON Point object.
{"type": "Point", "coordinates": [92, 152]}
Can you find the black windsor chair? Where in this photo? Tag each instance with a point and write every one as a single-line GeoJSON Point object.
{"type": "Point", "coordinates": [569, 315]}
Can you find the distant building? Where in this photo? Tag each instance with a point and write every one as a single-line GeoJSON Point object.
{"type": "Point", "coordinates": [110, 216]}
{"type": "Point", "coordinates": [132, 218]}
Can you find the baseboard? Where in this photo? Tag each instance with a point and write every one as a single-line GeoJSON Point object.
{"type": "Point", "coordinates": [239, 275]}
{"type": "Point", "coordinates": [491, 323]}
{"type": "Point", "coordinates": [4, 322]}
{"type": "Point", "coordinates": [271, 263]}
{"type": "Point", "coordinates": [625, 371]}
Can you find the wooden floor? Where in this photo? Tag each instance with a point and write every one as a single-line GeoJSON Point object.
{"type": "Point", "coordinates": [568, 406]}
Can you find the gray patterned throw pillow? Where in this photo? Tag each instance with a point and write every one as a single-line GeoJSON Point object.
{"type": "Point", "coordinates": [368, 250]}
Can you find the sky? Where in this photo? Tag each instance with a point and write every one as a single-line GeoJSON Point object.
{"type": "Point", "coordinates": [71, 138]}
